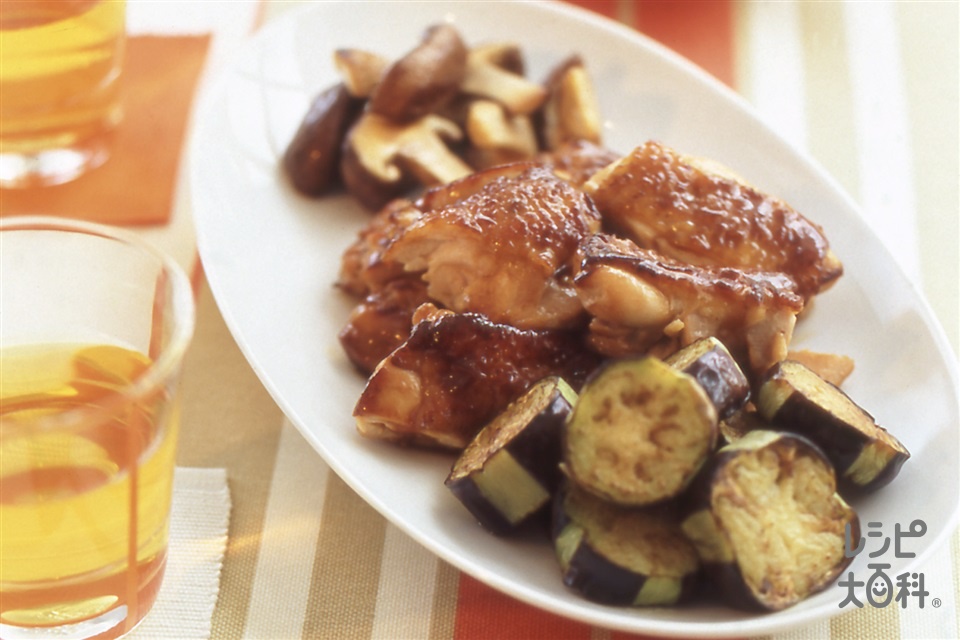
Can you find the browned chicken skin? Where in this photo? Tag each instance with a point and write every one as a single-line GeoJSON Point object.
{"type": "Point", "coordinates": [503, 250]}
{"type": "Point", "coordinates": [697, 212]}
{"type": "Point", "coordinates": [456, 372]}
{"type": "Point", "coordinates": [362, 266]}
{"type": "Point", "coordinates": [642, 302]}
{"type": "Point", "coordinates": [513, 280]}
{"type": "Point", "coordinates": [382, 321]}
{"type": "Point", "coordinates": [578, 160]}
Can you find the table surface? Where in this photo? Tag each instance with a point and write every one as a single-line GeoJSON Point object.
{"type": "Point", "coordinates": [870, 90]}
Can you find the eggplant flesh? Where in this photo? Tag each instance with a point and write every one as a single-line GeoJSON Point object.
{"type": "Point", "coordinates": [622, 556]}
{"type": "Point", "coordinates": [509, 472]}
{"type": "Point", "coordinates": [640, 432]}
{"type": "Point", "coordinates": [768, 522]}
{"type": "Point", "coordinates": [865, 455]}
{"type": "Point", "coordinates": [712, 365]}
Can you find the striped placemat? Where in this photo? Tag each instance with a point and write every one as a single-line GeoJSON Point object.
{"type": "Point", "coordinates": [868, 89]}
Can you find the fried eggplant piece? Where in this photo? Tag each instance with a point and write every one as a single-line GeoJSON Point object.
{"type": "Point", "coordinates": [509, 472]}
{"type": "Point", "coordinates": [640, 432]}
{"type": "Point", "coordinates": [504, 250]}
{"type": "Point", "coordinates": [768, 522]}
{"type": "Point", "coordinates": [697, 212]}
{"type": "Point", "coordinates": [381, 322]}
{"type": "Point", "coordinates": [740, 423]}
{"type": "Point", "coordinates": [620, 556]}
{"type": "Point", "coordinates": [456, 372]}
{"type": "Point", "coordinates": [865, 455]}
{"type": "Point", "coordinates": [710, 364]}
{"type": "Point", "coordinates": [642, 302]}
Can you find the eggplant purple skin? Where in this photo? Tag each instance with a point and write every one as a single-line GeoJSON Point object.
{"type": "Point", "coordinates": [477, 504]}
{"type": "Point", "coordinates": [841, 447]}
{"type": "Point", "coordinates": [542, 440]}
{"type": "Point", "coordinates": [726, 578]}
{"type": "Point", "coordinates": [599, 580]}
{"type": "Point", "coordinates": [724, 381]}
{"type": "Point", "coordinates": [539, 441]}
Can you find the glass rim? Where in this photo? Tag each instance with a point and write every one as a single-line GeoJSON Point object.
{"type": "Point", "coordinates": [168, 361]}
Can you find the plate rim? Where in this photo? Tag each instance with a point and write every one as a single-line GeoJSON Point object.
{"type": "Point", "coordinates": [761, 623]}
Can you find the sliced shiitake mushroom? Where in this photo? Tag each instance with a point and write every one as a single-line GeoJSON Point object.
{"type": "Point", "coordinates": [506, 55]}
{"type": "Point", "coordinates": [622, 556]}
{"type": "Point", "coordinates": [865, 455]}
{"type": "Point", "coordinates": [486, 78]}
{"type": "Point", "coordinates": [767, 521]}
{"type": "Point", "coordinates": [423, 80]}
{"type": "Point", "coordinates": [571, 110]}
{"type": "Point", "coordinates": [382, 159]}
{"type": "Point", "coordinates": [510, 470]}
{"type": "Point", "coordinates": [360, 70]}
{"type": "Point", "coordinates": [497, 136]}
{"type": "Point", "coordinates": [640, 432]}
{"type": "Point", "coordinates": [312, 158]}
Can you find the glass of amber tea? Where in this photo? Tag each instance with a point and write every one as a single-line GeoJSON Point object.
{"type": "Point", "coordinates": [94, 329]}
{"type": "Point", "coordinates": [60, 69]}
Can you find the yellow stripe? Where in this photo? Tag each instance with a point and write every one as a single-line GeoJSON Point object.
{"type": "Point", "coordinates": [868, 622]}
{"type": "Point", "coordinates": [253, 418]}
{"type": "Point", "coordinates": [346, 569]}
{"type": "Point", "coordinates": [444, 611]}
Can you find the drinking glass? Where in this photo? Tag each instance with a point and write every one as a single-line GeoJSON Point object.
{"type": "Point", "coordinates": [94, 328]}
{"type": "Point", "coordinates": [60, 68]}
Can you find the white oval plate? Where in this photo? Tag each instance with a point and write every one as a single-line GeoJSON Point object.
{"type": "Point", "coordinates": [271, 258]}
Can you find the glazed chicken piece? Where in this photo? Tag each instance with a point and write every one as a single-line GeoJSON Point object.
{"type": "Point", "coordinates": [641, 302]}
{"type": "Point", "coordinates": [382, 321]}
{"type": "Point", "coordinates": [577, 161]}
{"type": "Point", "coordinates": [445, 195]}
{"type": "Point", "coordinates": [456, 372]}
{"type": "Point", "coordinates": [696, 211]}
{"type": "Point", "coordinates": [362, 266]}
{"type": "Point", "coordinates": [504, 250]}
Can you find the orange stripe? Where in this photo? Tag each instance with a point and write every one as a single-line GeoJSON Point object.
{"type": "Point", "coordinates": [700, 30]}
{"type": "Point", "coordinates": [483, 613]}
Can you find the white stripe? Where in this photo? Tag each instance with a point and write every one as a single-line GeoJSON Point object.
{"type": "Point", "coordinates": [408, 580]}
{"type": "Point", "coordinates": [932, 622]}
{"type": "Point", "coordinates": [281, 583]}
{"type": "Point", "coordinates": [776, 62]}
{"type": "Point", "coordinates": [882, 129]}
